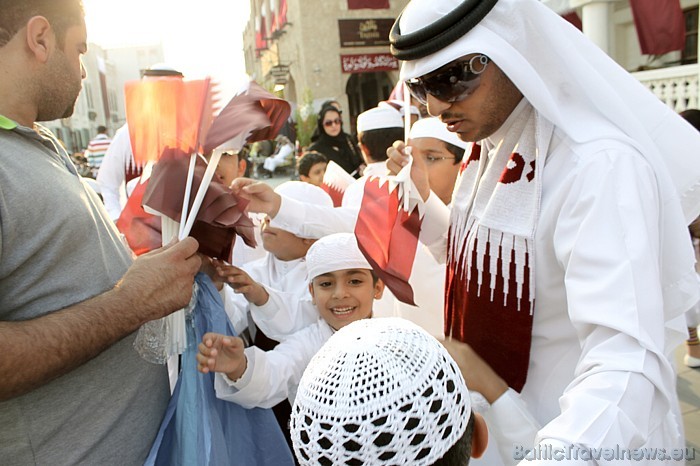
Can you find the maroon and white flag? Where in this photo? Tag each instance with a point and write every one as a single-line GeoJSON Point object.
{"type": "Point", "coordinates": [335, 182]}
{"type": "Point", "coordinates": [387, 230]}
{"type": "Point", "coordinates": [660, 25]}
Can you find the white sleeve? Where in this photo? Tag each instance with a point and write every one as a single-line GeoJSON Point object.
{"type": "Point", "coordinates": [607, 242]}
{"type": "Point", "coordinates": [112, 173]}
{"type": "Point", "coordinates": [309, 220]}
{"type": "Point", "coordinates": [284, 313]}
{"type": "Point", "coordinates": [271, 376]}
{"type": "Point", "coordinates": [236, 307]}
{"type": "Point", "coordinates": [510, 425]}
{"type": "Point", "coordinates": [435, 226]}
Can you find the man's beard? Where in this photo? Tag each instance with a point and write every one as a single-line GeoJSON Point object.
{"type": "Point", "coordinates": [69, 111]}
{"type": "Point", "coordinates": [60, 92]}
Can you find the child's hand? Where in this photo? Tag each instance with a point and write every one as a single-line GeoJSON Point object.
{"type": "Point", "coordinates": [241, 282]}
{"type": "Point", "coordinates": [208, 267]}
{"type": "Point", "coordinates": [221, 353]}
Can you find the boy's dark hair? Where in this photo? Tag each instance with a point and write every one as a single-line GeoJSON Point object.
{"type": "Point", "coordinates": [377, 141]}
{"type": "Point", "coordinates": [62, 14]}
{"type": "Point", "coordinates": [308, 160]}
{"type": "Point", "coordinates": [461, 452]}
{"type": "Point", "coordinates": [457, 151]}
{"type": "Point", "coordinates": [375, 277]}
{"type": "Point", "coordinates": [692, 116]}
{"type": "Point", "coordinates": [101, 129]}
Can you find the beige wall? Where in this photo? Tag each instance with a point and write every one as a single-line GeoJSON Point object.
{"type": "Point", "coordinates": [311, 46]}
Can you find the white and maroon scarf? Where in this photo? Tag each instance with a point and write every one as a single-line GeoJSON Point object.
{"type": "Point", "coordinates": [490, 282]}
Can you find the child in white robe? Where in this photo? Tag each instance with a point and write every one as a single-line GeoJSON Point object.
{"type": "Point", "coordinates": [281, 272]}
{"type": "Point", "coordinates": [343, 288]}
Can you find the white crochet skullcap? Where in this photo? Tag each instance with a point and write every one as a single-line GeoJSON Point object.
{"type": "Point", "coordinates": [380, 391]}
{"type": "Point", "coordinates": [379, 118]}
{"type": "Point", "coordinates": [331, 253]}
{"type": "Point", "coordinates": [434, 128]}
{"type": "Point", "coordinates": [303, 192]}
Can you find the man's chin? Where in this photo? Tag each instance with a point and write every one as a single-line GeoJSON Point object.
{"type": "Point", "coordinates": [69, 111]}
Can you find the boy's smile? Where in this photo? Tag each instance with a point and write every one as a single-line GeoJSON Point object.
{"type": "Point", "coordinates": [345, 296]}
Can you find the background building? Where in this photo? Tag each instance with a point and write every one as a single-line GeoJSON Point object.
{"type": "Point", "coordinates": [320, 50]}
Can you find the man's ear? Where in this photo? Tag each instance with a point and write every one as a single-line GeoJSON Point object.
{"type": "Point", "coordinates": [242, 165]}
{"type": "Point", "coordinates": [41, 38]}
{"type": "Point", "coordinates": [480, 436]}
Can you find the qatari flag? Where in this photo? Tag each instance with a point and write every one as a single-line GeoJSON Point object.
{"type": "Point", "coordinates": [660, 25]}
{"type": "Point", "coordinates": [335, 182]}
{"type": "Point", "coordinates": [371, 4]}
{"type": "Point", "coordinates": [387, 235]}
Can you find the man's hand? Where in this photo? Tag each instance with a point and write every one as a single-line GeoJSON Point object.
{"type": "Point", "coordinates": [262, 198]}
{"type": "Point", "coordinates": [476, 372]}
{"type": "Point", "coordinates": [221, 353]}
{"type": "Point", "coordinates": [397, 158]}
{"type": "Point", "coordinates": [242, 283]}
{"type": "Point", "coordinates": [160, 282]}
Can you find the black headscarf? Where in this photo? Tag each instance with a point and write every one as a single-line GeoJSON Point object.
{"type": "Point", "coordinates": [341, 149]}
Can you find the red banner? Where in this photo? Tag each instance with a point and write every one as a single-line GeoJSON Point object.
{"type": "Point", "coordinates": [368, 62]}
{"type": "Point", "coordinates": [372, 4]}
{"type": "Point", "coordinates": [660, 25]}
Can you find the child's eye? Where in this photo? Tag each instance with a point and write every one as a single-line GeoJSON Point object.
{"type": "Point", "coordinates": [324, 284]}
{"type": "Point", "coordinates": [355, 281]}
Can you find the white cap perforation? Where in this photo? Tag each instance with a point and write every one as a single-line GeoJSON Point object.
{"type": "Point", "coordinates": [380, 391]}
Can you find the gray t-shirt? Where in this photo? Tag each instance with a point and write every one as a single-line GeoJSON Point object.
{"type": "Point", "coordinates": [58, 247]}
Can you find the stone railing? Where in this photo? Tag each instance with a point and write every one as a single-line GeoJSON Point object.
{"type": "Point", "coordinates": [677, 86]}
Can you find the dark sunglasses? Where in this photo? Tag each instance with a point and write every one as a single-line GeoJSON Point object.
{"type": "Point", "coordinates": [451, 83]}
{"type": "Point", "coordinates": [329, 123]}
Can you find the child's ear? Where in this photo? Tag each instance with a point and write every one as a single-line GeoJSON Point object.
{"type": "Point", "coordinates": [480, 436]}
{"type": "Point", "coordinates": [304, 178]}
{"type": "Point", "coordinates": [311, 292]}
{"type": "Point", "coordinates": [378, 289]}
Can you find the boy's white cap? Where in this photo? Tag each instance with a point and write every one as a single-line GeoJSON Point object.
{"type": "Point", "coordinates": [302, 192]}
{"type": "Point", "coordinates": [399, 106]}
{"type": "Point", "coordinates": [380, 391]}
{"type": "Point", "coordinates": [434, 128]}
{"type": "Point", "coordinates": [331, 253]}
{"type": "Point", "coordinates": [379, 118]}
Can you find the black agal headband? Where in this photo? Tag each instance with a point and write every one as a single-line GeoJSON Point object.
{"type": "Point", "coordinates": [441, 33]}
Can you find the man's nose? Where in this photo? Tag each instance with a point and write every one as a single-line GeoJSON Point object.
{"type": "Point", "coordinates": [436, 107]}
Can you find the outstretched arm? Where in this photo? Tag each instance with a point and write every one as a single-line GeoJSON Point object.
{"type": "Point", "coordinates": [241, 282]}
{"type": "Point", "coordinates": [221, 353]}
{"type": "Point", "coordinates": [39, 350]}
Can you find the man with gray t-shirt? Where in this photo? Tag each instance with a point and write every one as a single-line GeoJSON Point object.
{"type": "Point", "coordinates": [72, 389]}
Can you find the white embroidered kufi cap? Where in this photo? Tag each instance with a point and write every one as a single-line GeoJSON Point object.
{"type": "Point", "coordinates": [379, 118]}
{"type": "Point", "coordinates": [434, 128]}
{"type": "Point", "coordinates": [303, 192]}
{"type": "Point", "coordinates": [338, 251]}
{"type": "Point", "coordinates": [380, 391]}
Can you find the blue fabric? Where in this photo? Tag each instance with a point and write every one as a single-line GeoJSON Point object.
{"type": "Point", "coordinates": [199, 429]}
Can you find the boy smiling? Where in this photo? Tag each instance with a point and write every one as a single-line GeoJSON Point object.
{"type": "Point", "coordinates": [343, 288]}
